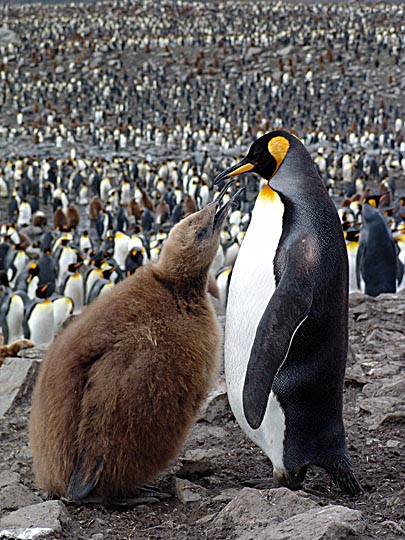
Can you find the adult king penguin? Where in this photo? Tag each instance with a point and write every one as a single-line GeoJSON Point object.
{"type": "Point", "coordinates": [286, 333]}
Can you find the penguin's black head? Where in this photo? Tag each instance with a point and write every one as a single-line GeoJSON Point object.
{"type": "Point", "coordinates": [266, 155]}
{"type": "Point", "coordinates": [33, 270]}
{"type": "Point", "coordinates": [43, 291]}
{"type": "Point", "coordinates": [74, 267]}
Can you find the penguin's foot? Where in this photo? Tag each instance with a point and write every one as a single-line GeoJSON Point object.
{"type": "Point", "coordinates": [146, 495]}
{"type": "Point", "coordinates": [341, 473]}
{"type": "Point", "coordinates": [291, 479]}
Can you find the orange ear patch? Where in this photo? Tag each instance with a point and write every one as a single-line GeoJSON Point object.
{"type": "Point", "coordinates": [278, 148]}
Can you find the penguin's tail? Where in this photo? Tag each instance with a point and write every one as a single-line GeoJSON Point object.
{"type": "Point", "coordinates": [340, 471]}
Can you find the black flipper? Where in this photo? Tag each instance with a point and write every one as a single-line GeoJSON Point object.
{"type": "Point", "coordinates": [287, 310]}
{"type": "Point", "coordinates": [84, 479]}
{"type": "Point", "coordinates": [359, 257]}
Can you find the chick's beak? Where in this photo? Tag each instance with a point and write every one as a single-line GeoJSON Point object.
{"type": "Point", "coordinates": [242, 167]}
{"type": "Point", "coordinates": [223, 211]}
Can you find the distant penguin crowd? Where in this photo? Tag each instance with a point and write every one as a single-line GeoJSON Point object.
{"type": "Point", "coordinates": [106, 143]}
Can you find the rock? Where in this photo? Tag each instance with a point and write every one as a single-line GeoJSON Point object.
{"type": "Point", "coordinates": [216, 404]}
{"type": "Point", "coordinates": [15, 496]}
{"type": "Point", "coordinates": [36, 353]}
{"type": "Point", "coordinates": [198, 462]}
{"type": "Point", "coordinates": [8, 478]}
{"type": "Point", "coordinates": [381, 409]}
{"type": "Point", "coordinates": [227, 495]}
{"type": "Point", "coordinates": [203, 433]}
{"type": "Point", "coordinates": [16, 375]}
{"type": "Point", "coordinates": [35, 521]}
{"type": "Point", "coordinates": [355, 375]}
{"type": "Point", "coordinates": [331, 522]}
{"type": "Point", "coordinates": [392, 443]}
{"type": "Point", "coordinates": [356, 299]}
{"type": "Point", "coordinates": [253, 509]}
{"type": "Point", "coordinates": [188, 492]}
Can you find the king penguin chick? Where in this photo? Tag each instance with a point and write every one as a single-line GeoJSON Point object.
{"type": "Point", "coordinates": [121, 385]}
{"type": "Point", "coordinates": [286, 333]}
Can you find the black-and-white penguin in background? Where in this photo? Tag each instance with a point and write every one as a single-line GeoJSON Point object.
{"type": "Point", "coordinates": [12, 309]}
{"type": "Point", "coordinates": [286, 334]}
{"type": "Point", "coordinates": [73, 286]}
{"type": "Point", "coordinates": [28, 280]}
{"type": "Point", "coordinates": [377, 259]}
{"type": "Point", "coordinates": [39, 322]}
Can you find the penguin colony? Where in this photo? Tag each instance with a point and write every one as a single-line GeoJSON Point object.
{"type": "Point", "coordinates": [104, 155]}
{"type": "Point", "coordinates": [101, 126]}
{"type": "Point", "coordinates": [119, 388]}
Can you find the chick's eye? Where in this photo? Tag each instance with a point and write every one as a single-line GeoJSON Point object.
{"type": "Point", "coordinates": [202, 233]}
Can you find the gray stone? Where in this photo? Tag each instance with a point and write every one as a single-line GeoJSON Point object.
{"type": "Point", "coordinates": [9, 478]}
{"type": "Point", "coordinates": [14, 373]}
{"type": "Point", "coordinates": [355, 375]}
{"type": "Point", "coordinates": [392, 443]}
{"type": "Point", "coordinates": [201, 433]}
{"type": "Point", "coordinates": [198, 461]}
{"type": "Point", "coordinates": [331, 522]}
{"type": "Point", "coordinates": [15, 496]}
{"type": "Point", "coordinates": [25, 453]}
{"type": "Point", "coordinates": [46, 515]}
{"type": "Point", "coordinates": [36, 353]}
{"type": "Point", "coordinates": [227, 495]}
{"type": "Point", "coordinates": [382, 409]}
{"type": "Point", "coordinates": [188, 492]}
{"type": "Point", "coordinates": [253, 509]}
{"type": "Point", "coordinates": [216, 403]}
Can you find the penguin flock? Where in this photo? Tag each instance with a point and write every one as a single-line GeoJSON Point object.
{"type": "Point", "coordinates": [114, 125]}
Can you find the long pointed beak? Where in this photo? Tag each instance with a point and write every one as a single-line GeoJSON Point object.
{"type": "Point", "coordinates": [223, 211]}
{"type": "Point", "coordinates": [242, 167]}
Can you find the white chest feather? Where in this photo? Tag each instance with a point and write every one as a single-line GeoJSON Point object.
{"type": "Point", "coordinates": [251, 288]}
{"type": "Point", "coordinates": [252, 283]}
{"type": "Point", "coordinates": [41, 323]}
{"type": "Point", "coordinates": [15, 319]}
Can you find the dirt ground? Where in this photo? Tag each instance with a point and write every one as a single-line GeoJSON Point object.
{"type": "Point", "coordinates": [228, 461]}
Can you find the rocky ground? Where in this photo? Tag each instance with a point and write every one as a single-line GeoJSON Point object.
{"type": "Point", "coordinates": [209, 483]}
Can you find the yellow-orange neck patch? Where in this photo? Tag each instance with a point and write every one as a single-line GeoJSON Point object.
{"type": "Point", "coordinates": [268, 194]}
{"type": "Point", "coordinates": [278, 148]}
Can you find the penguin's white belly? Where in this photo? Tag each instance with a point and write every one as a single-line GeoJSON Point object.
{"type": "Point", "coordinates": [75, 290]}
{"type": "Point", "coordinates": [62, 308]}
{"type": "Point", "coordinates": [353, 287]}
{"type": "Point", "coordinates": [41, 323]}
{"type": "Point", "coordinates": [251, 288]}
{"type": "Point", "coordinates": [15, 319]}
